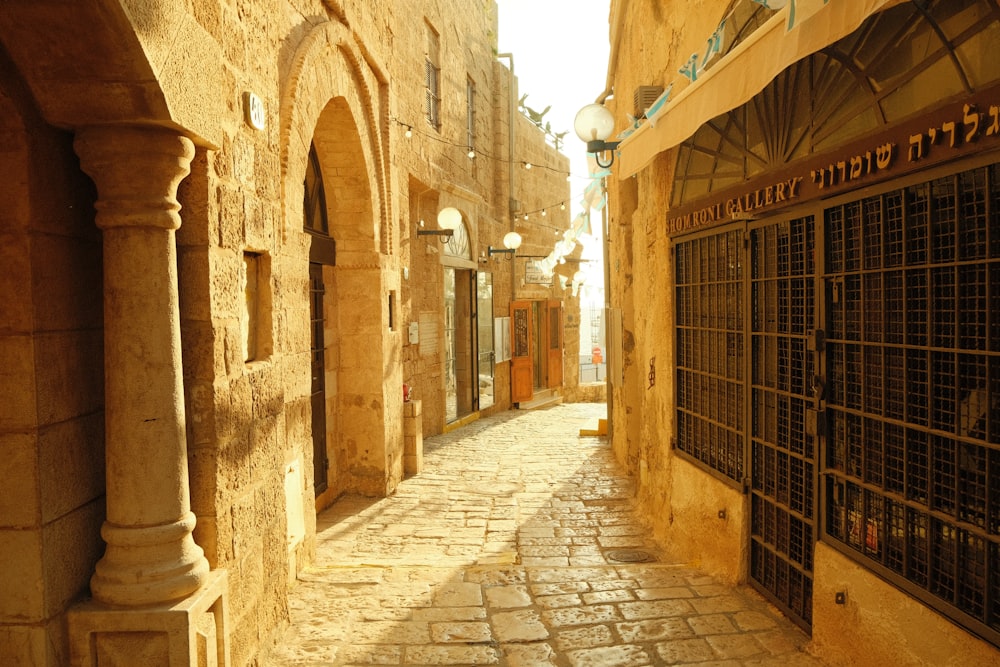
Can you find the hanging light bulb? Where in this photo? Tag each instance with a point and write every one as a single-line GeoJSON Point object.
{"type": "Point", "coordinates": [544, 213]}
{"type": "Point", "coordinates": [472, 154]}
{"type": "Point", "coordinates": [527, 165]}
{"type": "Point", "coordinates": [409, 132]}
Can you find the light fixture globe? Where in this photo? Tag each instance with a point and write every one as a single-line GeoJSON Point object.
{"type": "Point", "coordinates": [449, 218]}
{"type": "Point", "coordinates": [512, 240]}
{"type": "Point", "coordinates": [593, 123]}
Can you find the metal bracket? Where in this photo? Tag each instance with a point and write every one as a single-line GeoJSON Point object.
{"type": "Point", "coordinates": [815, 422]}
{"type": "Point", "coordinates": [816, 341]}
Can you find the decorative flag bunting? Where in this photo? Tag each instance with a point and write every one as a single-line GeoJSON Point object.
{"type": "Point", "coordinates": [654, 111]}
{"type": "Point", "coordinates": [693, 68]}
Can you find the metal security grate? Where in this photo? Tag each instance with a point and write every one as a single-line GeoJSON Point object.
{"type": "Point", "coordinates": [911, 476]}
{"type": "Point", "coordinates": [709, 338]}
{"type": "Point", "coordinates": [783, 448]}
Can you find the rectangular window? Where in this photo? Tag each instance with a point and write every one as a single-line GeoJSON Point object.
{"type": "Point", "coordinates": [432, 73]}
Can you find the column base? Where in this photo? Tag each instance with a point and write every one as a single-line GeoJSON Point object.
{"type": "Point", "coordinates": [186, 633]}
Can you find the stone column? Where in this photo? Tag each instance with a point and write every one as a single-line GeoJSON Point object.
{"type": "Point", "coordinates": [151, 556]}
{"type": "Point", "coordinates": [155, 601]}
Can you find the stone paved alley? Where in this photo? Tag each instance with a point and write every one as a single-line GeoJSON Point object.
{"type": "Point", "coordinates": [517, 545]}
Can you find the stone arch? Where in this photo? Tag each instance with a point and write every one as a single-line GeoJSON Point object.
{"type": "Point", "coordinates": [334, 99]}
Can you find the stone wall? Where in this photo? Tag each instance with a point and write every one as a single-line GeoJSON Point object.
{"type": "Point", "coordinates": [51, 389]}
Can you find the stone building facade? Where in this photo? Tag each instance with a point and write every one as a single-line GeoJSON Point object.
{"type": "Point", "coordinates": [214, 289]}
{"type": "Point", "coordinates": [805, 263]}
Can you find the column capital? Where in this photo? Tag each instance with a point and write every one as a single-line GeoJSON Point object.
{"type": "Point", "coordinates": [137, 170]}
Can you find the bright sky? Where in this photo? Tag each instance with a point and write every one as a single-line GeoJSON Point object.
{"type": "Point", "coordinates": [560, 52]}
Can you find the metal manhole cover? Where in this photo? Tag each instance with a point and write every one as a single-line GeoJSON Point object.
{"type": "Point", "coordinates": [630, 556]}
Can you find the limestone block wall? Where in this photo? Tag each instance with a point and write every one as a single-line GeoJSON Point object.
{"type": "Point", "coordinates": [435, 171]}
{"type": "Point", "coordinates": [641, 264]}
{"type": "Point", "coordinates": [51, 381]}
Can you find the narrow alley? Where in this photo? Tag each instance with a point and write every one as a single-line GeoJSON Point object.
{"type": "Point", "coordinates": [518, 544]}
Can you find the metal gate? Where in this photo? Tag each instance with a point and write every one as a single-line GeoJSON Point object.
{"type": "Point", "coordinates": [747, 391]}
{"type": "Point", "coordinates": [783, 389]}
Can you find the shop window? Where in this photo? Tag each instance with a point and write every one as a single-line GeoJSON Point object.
{"type": "Point", "coordinates": [911, 479]}
{"type": "Point", "coordinates": [710, 344]}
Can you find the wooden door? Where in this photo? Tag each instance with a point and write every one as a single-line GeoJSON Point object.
{"type": "Point", "coordinates": [522, 380]}
{"type": "Point", "coordinates": [554, 344]}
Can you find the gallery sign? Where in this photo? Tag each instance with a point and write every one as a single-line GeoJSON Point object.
{"type": "Point", "coordinates": [938, 137]}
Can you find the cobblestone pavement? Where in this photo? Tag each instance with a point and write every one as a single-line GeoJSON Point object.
{"type": "Point", "coordinates": [518, 545]}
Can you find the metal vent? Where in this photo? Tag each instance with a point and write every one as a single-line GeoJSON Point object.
{"type": "Point", "coordinates": [644, 98]}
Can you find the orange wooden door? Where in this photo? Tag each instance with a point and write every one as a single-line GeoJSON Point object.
{"type": "Point", "coordinates": [554, 344]}
{"type": "Point", "coordinates": [522, 380]}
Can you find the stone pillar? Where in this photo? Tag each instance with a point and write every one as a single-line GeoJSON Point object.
{"type": "Point", "coordinates": [151, 560]}
{"type": "Point", "coordinates": [413, 438]}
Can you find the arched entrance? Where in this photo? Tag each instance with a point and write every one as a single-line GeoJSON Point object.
{"type": "Point", "coordinates": [340, 218]}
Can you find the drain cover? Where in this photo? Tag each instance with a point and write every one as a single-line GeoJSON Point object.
{"type": "Point", "coordinates": [630, 556]}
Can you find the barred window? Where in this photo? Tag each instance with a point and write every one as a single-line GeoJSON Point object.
{"type": "Point", "coordinates": [912, 472]}
{"type": "Point", "coordinates": [710, 344]}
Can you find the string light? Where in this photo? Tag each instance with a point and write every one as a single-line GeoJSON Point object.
{"type": "Point", "coordinates": [474, 153]}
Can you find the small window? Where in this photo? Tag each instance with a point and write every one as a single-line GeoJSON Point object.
{"type": "Point", "coordinates": [470, 113]}
{"type": "Point", "coordinates": [251, 265]}
{"type": "Point", "coordinates": [255, 321]}
{"type": "Point", "coordinates": [432, 73]}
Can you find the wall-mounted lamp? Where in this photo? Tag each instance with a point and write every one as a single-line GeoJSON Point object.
{"type": "Point", "coordinates": [449, 219]}
{"type": "Point", "coordinates": [511, 242]}
{"type": "Point", "coordinates": [594, 124]}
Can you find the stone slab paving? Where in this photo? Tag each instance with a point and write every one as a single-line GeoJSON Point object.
{"type": "Point", "coordinates": [501, 552]}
